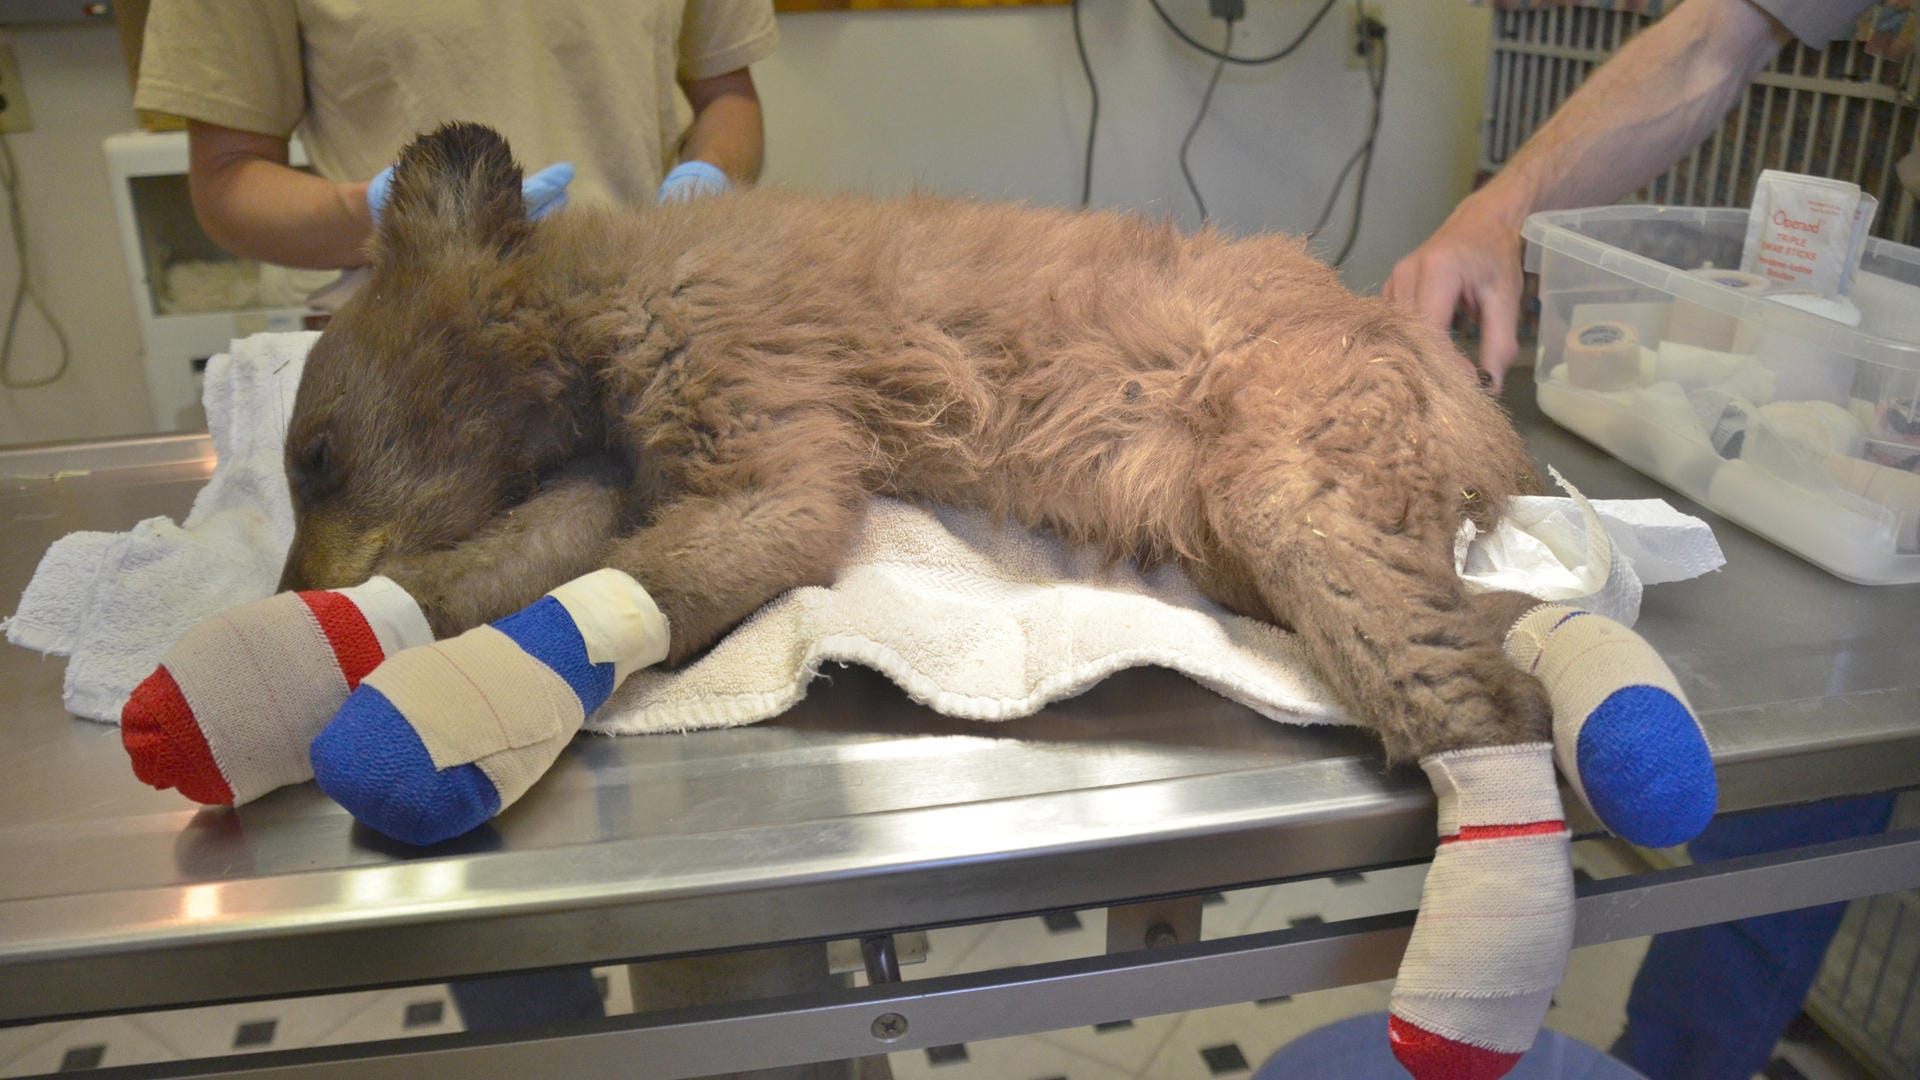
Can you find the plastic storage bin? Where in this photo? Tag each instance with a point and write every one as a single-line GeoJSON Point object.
{"type": "Point", "coordinates": [1801, 427]}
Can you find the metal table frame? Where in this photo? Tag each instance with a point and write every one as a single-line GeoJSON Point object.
{"type": "Point", "coordinates": [859, 814]}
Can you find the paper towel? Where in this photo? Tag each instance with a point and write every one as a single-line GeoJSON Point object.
{"type": "Point", "coordinates": [1597, 555]}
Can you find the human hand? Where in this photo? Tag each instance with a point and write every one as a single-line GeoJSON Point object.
{"type": "Point", "coordinates": [691, 180]}
{"type": "Point", "coordinates": [1471, 261]}
{"type": "Point", "coordinates": [544, 191]}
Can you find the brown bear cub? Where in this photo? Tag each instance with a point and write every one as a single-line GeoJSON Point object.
{"type": "Point", "coordinates": [529, 457]}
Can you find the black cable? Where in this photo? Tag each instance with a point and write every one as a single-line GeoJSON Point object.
{"type": "Point", "coordinates": [1225, 55]}
{"type": "Point", "coordinates": [1093, 121]}
{"type": "Point", "coordinates": [1366, 164]}
{"type": "Point", "coordinates": [1377, 80]}
{"type": "Point", "coordinates": [23, 290]}
{"type": "Point", "coordinates": [1205, 100]}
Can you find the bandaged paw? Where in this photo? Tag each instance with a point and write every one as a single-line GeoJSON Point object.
{"type": "Point", "coordinates": [1624, 735]}
{"type": "Point", "coordinates": [229, 713]}
{"type": "Point", "coordinates": [1496, 917]}
{"type": "Point", "coordinates": [441, 738]}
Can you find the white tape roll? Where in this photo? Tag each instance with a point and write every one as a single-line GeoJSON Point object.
{"type": "Point", "coordinates": [1603, 356]}
{"type": "Point", "coordinates": [1695, 324]}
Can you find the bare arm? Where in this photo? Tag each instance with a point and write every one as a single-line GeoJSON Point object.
{"type": "Point", "coordinates": [252, 203]}
{"type": "Point", "coordinates": [726, 129]}
{"type": "Point", "coordinates": [1641, 111]}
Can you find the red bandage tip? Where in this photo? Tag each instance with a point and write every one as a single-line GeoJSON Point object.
{"type": "Point", "coordinates": [166, 745]}
{"type": "Point", "coordinates": [1435, 1057]}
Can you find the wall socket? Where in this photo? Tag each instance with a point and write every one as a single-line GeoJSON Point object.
{"type": "Point", "coordinates": [1360, 44]}
{"type": "Point", "coordinates": [13, 93]}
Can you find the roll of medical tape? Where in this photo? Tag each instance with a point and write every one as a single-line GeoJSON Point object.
{"type": "Point", "coordinates": [1603, 356]}
{"type": "Point", "coordinates": [1697, 324]}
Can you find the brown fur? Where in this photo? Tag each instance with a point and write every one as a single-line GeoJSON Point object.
{"type": "Point", "coordinates": [705, 395]}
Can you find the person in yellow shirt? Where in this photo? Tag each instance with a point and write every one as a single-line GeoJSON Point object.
{"type": "Point", "coordinates": [599, 87]}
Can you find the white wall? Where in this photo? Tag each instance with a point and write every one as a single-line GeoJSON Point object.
{"type": "Point", "coordinates": [993, 103]}
{"type": "Point", "coordinates": [77, 93]}
{"type": "Point", "coordinates": [990, 103]}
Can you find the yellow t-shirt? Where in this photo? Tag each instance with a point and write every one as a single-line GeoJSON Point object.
{"type": "Point", "coordinates": [585, 81]}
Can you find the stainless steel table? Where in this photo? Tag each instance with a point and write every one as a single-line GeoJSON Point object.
{"type": "Point", "coordinates": [859, 813]}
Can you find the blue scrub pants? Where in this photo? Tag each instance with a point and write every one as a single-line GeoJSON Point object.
{"type": "Point", "coordinates": [1710, 1002]}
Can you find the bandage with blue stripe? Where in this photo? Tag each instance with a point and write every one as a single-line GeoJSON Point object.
{"type": "Point", "coordinates": [440, 738]}
{"type": "Point", "coordinates": [1624, 736]}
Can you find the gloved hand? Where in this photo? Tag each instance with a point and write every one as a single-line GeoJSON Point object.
{"type": "Point", "coordinates": [691, 180]}
{"type": "Point", "coordinates": [544, 191]}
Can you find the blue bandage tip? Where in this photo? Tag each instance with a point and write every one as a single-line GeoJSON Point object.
{"type": "Point", "coordinates": [1646, 767]}
{"type": "Point", "coordinates": [370, 761]}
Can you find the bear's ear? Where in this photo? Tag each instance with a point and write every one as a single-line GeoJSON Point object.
{"type": "Point", "coordinates": [456, 188]}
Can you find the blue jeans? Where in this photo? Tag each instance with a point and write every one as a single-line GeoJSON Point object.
{"type": "Point", "coordinates": [1710, 1002]}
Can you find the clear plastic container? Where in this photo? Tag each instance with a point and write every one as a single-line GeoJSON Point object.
{"type": "Point", "coordinates": [1802, 426]}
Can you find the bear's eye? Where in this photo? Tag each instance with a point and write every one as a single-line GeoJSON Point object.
{"type": "Point", "coordinates": [313, 473]}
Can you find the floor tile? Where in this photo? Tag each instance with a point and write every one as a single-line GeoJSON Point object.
{"type": "Point", "coordinates": [1375, 892]}
{"type": "Point", "coordinates": [1127, 1048]}
{"type": "Point", "coordinates": [617, 995]}
{"type": "Point", "coordinates": [1606, 857]}
{"type": "Point", "coordinates": [1591, 1004]}
{"type": "Point", "coordinates": [110, 1040]}
{"type": "Point", "coordinates": [213, 1030]}
{"type": "Point", "coordinates": [1006, 1059]}
{"type": "Point", "coordinates": [1256, 1030]}
{"type": "Point", "coordinates": [1028, 941]}
{"type": "Point", "coordinates": [1225, 1059]}
{"type": "Point", "coordinates": [1234, 912]}
{"type": "Point", "coordinates": [382, 1014]}
{"type": "Point", "coordinates": [83, 1058]}
{"type": "Point", "coordinates": [18, 1041]}
{"type": "Point", "coordinates": [948, 948]}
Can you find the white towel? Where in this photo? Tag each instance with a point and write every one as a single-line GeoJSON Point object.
{"type": "Point", "coordinates": [971, 619]}
{"type": "Point", "coordinates": [978, 621]}
{"type": "Point", "coordinates": [113, 603]}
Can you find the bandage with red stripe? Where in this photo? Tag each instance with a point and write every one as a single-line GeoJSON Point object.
{"type": "Point", "coordinates": [1496, 917]}
{"type": "Point", "coordinates": [230, 711]}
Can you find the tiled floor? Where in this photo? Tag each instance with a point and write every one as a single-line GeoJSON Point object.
{"type": "Point", "coordinates": [1230, 1041]}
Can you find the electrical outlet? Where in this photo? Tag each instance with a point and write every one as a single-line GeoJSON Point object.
{"type": "Point", "coordinates": [13, 93]}
{"type": "Point", "coordinates": [1231, 10]}
{"type": "Point", "coordinates": [1360, 43]}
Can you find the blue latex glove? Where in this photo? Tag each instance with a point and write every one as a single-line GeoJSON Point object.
{"type": "Point", "coordinates": [690, 180]}
{"type": "Point", "coordinates": [544, 191]}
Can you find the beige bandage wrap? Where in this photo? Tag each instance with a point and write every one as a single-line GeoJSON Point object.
{"type": "Point", "coordinates": [1496, 920]}
{"type": "Point", "coordinates": [1592, 656]}
{"type": "Point", "coordinates": [453, 695]}
{"type": "Point", "coordinates": [276, 661]}
{"type": "Point", "coordinates": [481, 699]}
{"type": "Point", "coordinates": [269, 675]}
{"type": "Point", "coordinates": [618, 620]}
{"type": "Point", "coordinates": [391, 612]}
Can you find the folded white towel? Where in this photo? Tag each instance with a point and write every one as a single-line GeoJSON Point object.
{"type": "Point", "coordinates": [972, 619]}
{"type": "Point", "coordinates": [113, 603]}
